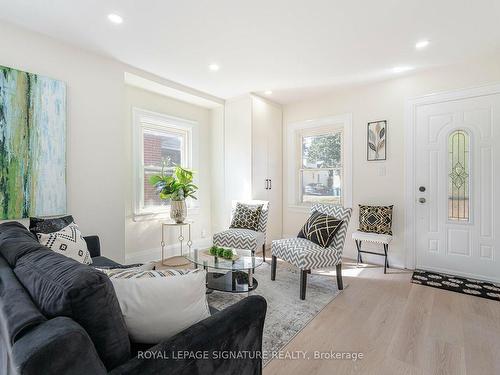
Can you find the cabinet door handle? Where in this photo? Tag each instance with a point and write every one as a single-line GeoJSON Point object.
{"type": "Point", "coordinates": [270, 184]}
{"type": "Point", "coordinates": [267, 184]}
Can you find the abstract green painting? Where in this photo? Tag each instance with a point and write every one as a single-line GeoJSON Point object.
{"type": "Point", "coordinates": [32, 145]}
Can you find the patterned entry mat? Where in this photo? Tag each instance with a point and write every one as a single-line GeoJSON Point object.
{"type": "Point", "coordinates": [457, 284]}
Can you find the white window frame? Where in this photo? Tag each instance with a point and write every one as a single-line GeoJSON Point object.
{"type": "Point", "coordinates": [319, 131]}
{"type": "Point", "coordinates": [147, 120]}
{"type": "Point", "coordinates": [294, 133]}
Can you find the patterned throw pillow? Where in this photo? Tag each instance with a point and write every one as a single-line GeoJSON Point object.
{"type": "Point", "coordinates": [69, 242]}
{"type": "Point", "coordinates": [137, 273]}
{"type": "Point", "coordinates": [246, 216]}
{"type": "Point", "coordinates": [375, 219]}
{"type": "Point", "coordinates": [49, 224]}
{"type": "Point", "coordinates": [320, 229]}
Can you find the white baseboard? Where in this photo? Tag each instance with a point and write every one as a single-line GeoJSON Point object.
{"type": "Point", "coordinates": [154, 254]}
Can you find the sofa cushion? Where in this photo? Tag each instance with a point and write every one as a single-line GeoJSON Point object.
{"type": "Point", "coordinates": [61, 286]}
{"type": "Point", "coordinates": [16, 241]}
{"type": "Point", "coordinates": [18, 314]}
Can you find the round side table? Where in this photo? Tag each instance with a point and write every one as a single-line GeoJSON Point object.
{"type": "Point", "coordinates": [178, 260]}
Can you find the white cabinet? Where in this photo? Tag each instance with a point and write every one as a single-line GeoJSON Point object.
{"type": "Point", "coordinates": [253, 155]}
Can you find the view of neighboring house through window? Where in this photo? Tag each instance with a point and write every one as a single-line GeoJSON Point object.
{"type": "Point", "coordinates": [321, 172]}
{"type": "Point", "coordinates": [163, 142]}
{"type": "Point", "coordinates": [162, 150]}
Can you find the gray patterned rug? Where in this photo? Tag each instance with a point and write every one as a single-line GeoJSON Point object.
{"type": "Point", "coordinates": [286, 314]}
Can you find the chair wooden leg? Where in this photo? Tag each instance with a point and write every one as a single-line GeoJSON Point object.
{"type": "Point", "coordinates": [303, 283]}
{"type": "Point", "coordinates": [273, 268]}
{"type": "Point", "coordinates": [340, 284]}
{"type": "Point", "coordinates": [386, 263]}
{"type": "Point", "coordinates": [264, 252]}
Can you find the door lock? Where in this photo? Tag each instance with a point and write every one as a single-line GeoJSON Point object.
{"type": "Point", "coordinates": [421, 188]}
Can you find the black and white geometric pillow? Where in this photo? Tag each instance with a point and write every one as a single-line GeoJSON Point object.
{"type": "Point", "coordinates": [375, 219]}
{"type": "Point", "coordinates": [246, 216]}
{"type": "Point", "coordinates": [320, 229]}
{"type": "Point", "coordinates": [69, 242]}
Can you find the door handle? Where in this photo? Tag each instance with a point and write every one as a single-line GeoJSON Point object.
{"type": "Point", "coordinates": [421, 200]}
{"type": "Point", "coordinates": [270, 184]}
{"type": "Point", "coordinates": [266, 184]}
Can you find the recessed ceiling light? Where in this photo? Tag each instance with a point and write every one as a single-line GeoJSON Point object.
{"type": "Point", "coordinates": [421, 44]}
{"type": "Point", "coordinates": [268, 92]}
{"type": "Point", "coordinates": [115, 18]}
{"type": "Point", "coordinates": [401, 69]}
{"type": "Point", "coordinates": [213, 67]}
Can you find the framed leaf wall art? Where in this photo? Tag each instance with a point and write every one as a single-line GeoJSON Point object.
{"type": "Point", "coordinates": [377, 141]}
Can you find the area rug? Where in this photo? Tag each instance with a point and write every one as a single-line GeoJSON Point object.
{"type": "Point", "coordinates": [457, 284]}
{"type": "Point", "coordinates": [286, 314]}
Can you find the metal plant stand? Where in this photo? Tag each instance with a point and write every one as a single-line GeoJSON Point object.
{"type": "Point", "coordinates": [178, 260]}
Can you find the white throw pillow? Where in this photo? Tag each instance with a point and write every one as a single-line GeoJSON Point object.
{"type": "Point", "coordinates": [160, 306]}
{"type": "Point", "coordinates": [69, 242]}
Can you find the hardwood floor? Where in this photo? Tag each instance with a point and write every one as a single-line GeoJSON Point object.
{"type": "Point", "coordinates": [401, 328]}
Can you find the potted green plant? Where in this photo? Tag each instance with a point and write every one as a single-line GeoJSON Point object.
{"type": "Point", "coordinates": [175, 188]}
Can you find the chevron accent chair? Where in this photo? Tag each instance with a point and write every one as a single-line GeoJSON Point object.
{"type": "Point", "coordinates": [306, 255]}
{"type": "Point", "coordinates": [245, 238]}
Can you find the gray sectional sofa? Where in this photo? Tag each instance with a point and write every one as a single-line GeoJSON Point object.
{"type": "Point", "coordinates": [58, 316]}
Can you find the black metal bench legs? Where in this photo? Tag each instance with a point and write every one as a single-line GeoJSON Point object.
{"type": "Point", "coordinates": [386, 248]}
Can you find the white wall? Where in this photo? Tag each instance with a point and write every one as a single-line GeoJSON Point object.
{"type": "Point", "coordinates": [142, 238]}
{"type": "Point", "coordinates": [381, 101]}
{"type": "Point", "coordinates": [218, 186]}
{"type": "Point", "coordinates": [99, 146]}
{"type": "Point", "coordinates": [96, 140]}
{"type": "Point", "coordinates": [238, 150]}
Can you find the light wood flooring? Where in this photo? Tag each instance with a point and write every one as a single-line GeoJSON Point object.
{"type": "Point", "coordinates": [401, 328]}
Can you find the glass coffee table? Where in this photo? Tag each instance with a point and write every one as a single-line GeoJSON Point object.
{"type": "Point", "coordinates": [235, 276]}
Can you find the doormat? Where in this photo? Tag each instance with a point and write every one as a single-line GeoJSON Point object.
{"type": "Point", "coordinates": [457, 284]}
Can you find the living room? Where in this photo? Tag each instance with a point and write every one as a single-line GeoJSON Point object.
{"type": "Point", "coordinates": [269, 187]}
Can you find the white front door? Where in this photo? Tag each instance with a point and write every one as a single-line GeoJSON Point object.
{"type": "Point", "coordinates": [457, 171]}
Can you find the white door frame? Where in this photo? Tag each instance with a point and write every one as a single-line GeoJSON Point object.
{"type": "Point", "coordinates": [410, 124]}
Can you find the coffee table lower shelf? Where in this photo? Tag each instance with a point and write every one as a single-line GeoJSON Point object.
{"type": "Point", "coordinates": [232, 281]}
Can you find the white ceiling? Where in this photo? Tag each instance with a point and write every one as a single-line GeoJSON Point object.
{"type": "Point", "coordinates": [294, 48]}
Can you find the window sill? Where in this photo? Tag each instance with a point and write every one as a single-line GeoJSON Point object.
{"type": "Point", "coordinates": [152, 216]}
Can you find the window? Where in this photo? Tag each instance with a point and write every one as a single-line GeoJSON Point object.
{"type": "Point", "coordinates": [160, 142]}
{"type": "Point", "coordinates": [458, 175]}
{"type": "Point", "coordinates": [320, 173]}
{"type": "Point", "coordinates": [319, 162]}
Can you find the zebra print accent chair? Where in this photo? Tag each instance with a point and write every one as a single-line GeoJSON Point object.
{"type": "Point", "coordinates": [245, 238]}
{"type": "Point", "coordinates": [306, 255]}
